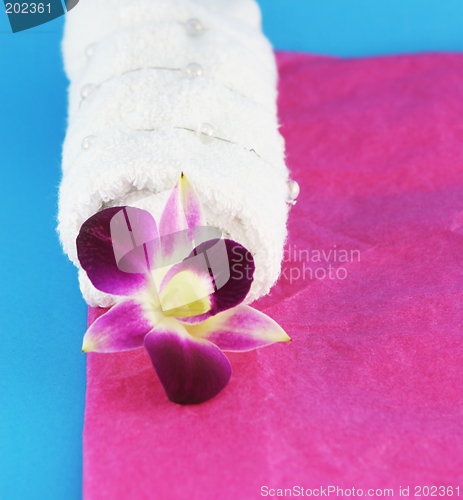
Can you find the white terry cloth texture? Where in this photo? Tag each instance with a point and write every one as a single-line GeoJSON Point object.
{"type": "Point", "coordinates": [143, 113]}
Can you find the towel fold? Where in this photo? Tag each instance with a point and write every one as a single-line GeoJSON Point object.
{"type": "Point", "coordinates": [135, 106]}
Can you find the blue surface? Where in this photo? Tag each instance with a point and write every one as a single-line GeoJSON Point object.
{"type": "Point", "coordinates": [43, 317]}
{"type": "Point", "coordinates": [42, 372]}
{"type": "Point", "coordinates": [364, 27]}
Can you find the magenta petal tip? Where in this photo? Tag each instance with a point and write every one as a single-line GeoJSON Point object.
{"type": "Point", "coordinates": [191, 371]}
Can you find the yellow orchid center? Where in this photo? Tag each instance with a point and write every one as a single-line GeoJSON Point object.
{"type": "Point", "coordinates": [186, 294]}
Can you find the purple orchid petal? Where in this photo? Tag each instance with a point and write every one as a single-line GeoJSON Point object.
{"type": "Point", "coordinates": [182, 213]}
{"type": "Point", "coordinates": [239, 329]}
{"type": "Point", "coordinates": [122, 328]}
{"type": "Point", "coordinates": [192, 370]}
{"type": "Point", "coordinates": [183, 209]}
{"type": "Point", "coordinates": [112, 235]}
{"type": "Point", "coordinates": [135, 239]}
{"type": "Point", "coordinates": [232, 268]}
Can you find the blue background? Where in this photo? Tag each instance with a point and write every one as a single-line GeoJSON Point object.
{"type": "Point", "coordinates": [43, 317]}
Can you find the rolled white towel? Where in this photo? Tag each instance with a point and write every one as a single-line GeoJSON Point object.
{"type": "Point", "coordinates": [152, 72]}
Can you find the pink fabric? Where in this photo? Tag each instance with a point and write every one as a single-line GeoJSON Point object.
{"type": "Point", "coordinates": [369, 393]}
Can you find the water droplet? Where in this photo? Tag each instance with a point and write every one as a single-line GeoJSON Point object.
{"type": "Point", "coordinates": [293, 191]}
{"type": "Point", "coordinates": [90, 50]}
{"type": "Point", "coordinates": [194, 27]}
{"type": "Point", "coordinates": [206, 132]}
{"type": "Point", "coordinates": [88, 141]}
{"type": "Point", "coordinates": [86, 90]}
{"type": "Point", "coordinates": [193, 70]}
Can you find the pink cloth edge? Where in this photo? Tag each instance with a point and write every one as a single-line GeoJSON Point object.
{"type": "Point", "coordinates": [376, 146]}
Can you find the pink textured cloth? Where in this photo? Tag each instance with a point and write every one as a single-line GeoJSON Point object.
{"type": "Point", "coordinates": [369, 393]}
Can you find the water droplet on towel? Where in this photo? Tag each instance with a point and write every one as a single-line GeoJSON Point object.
{"type": "Point", "coordinates": [90, 50]}
{"type": "Point", "coordinates": [193, 70]}
{"type": "Point", "coordinates": [88, 141]}
{"type": "Point", "coordinates": [194, 27]}
{"type": "Point", "coordinates": [206, 132]}
{"type": "Point", "coordinates": [86, 90]}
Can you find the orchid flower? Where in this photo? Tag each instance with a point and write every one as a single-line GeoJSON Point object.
{"type": "Point", "coordinates": [179, 288]}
